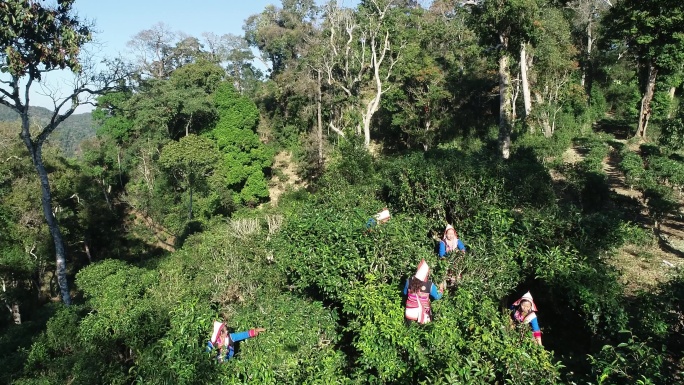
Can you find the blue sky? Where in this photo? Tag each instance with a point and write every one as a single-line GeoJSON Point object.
{"type": "Point", "coordinates": [118, 21]}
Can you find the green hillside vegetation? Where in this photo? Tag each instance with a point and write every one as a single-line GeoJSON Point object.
{"type": "Point", "coordinates": [560, 170]}
{"type": "Point", "coordinates": [68, 136]}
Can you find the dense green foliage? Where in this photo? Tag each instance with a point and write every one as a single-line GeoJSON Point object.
{"type": "Point", "coordinates": [168, 222]}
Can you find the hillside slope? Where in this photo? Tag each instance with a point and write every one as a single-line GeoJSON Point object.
{"type": "Point", "coordinates": [68, 136]}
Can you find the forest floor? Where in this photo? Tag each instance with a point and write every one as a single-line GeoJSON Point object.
{"type": "Point", "coordinates": [284, 176]}
{"type": "Point", "coordinates": [155, 234]}
{"type": "Point", "coordinates": [644, 266]}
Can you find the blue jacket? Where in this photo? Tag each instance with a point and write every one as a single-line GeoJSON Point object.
{"type": "Point", "coordinates": [442, 247]}
{"type": "Point", "coordinates": [234, 337]}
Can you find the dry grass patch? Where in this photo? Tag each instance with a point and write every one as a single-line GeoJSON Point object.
{"type": "Point", "coordinates": [644, 267]}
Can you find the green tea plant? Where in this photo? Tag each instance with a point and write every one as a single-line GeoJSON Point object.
{"type": "Point", "coordinates": [632, 165]}
{"type": "Point", "coordinates": [667, 171]}
{"type": "Point", "coordinates": [629, 362]}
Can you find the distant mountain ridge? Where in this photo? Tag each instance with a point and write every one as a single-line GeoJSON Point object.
{"type": "Point", "coordinates": [70, 133]}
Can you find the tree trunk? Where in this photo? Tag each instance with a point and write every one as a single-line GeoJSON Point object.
{"type": "Point", "coordinates": [190, 205]}
{"type": "Point", "coordinates": [86, 248]}
{"type": "Point", "coordinates": [319, 117]}
{"type": "Point", "coordinates": [515, 91]}
{"type": "Point", "coordinates": [118, 160]}
{"type": "Point", "coordinates": [35, 150]}
{"type": "Point", "coordinates": [14, 309]}
{"type": "Point", "coordinates": [16, 314]}
{"type": "Point", "coordinates": [587, 57]}
{"type": "Point", "coordinates": [372, 106]}
{"type": "Point", "coordinates": [672, 106]}
{"type": "Point", "coordinates": [106, 195]}
{"type": "Point", "coordinates": [525, 83]}
{"type": "Point", "coordinates": [504, 97]}
{"type": "Point", "coordinates": [187, 126]}
{"type": "Point", "coordinates": [645, 110]}
{"type": "Point", "coordinates": [376, 62]}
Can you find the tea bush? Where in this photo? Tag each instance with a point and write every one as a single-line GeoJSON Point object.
{"type": "Point", "coordinates": [328, 289]}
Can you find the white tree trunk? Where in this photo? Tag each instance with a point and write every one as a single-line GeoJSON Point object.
{"type": "Point", "coordinates": [16, 315]}
{"type": "Point", "coordinates": [525, 82]}
{"type": "Point", "coordinates": [504, 105]}
{"type": "Point", "coordinates": [645, 110]}
{"type": "Point", "coordinates": [319, 119]}
{"type": "Point", "coordinates": [376, 61]}
{"type": "Point", "coordinates": [587, 54]}
{"type": "Point", "coordinates": [347, 64]}
{"type": "Point", "coordinates": [35, 149]}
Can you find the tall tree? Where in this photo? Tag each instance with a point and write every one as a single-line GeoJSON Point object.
{"type": "Point", "coordinates": [152, 48]}
{"type": "Point", "coordinates": [234, 52]}
{"type": "Point", "coordinates": [37, 39]}
{"type": "Point", "coordinates": [508, 25]}
{"type": "Point", "coordinates": [421, 105]}
{"type": "Point", "coordinates": [245, 158]}
{"type": "Point", "coordinates": [587, 15]}
{"type": "Point", "coordinates": [555, 65]}
{"type": "Point", "coordinates": [191, 158]}
{"type": "Point", "coordinates": [652, 33]}
{"type": "Point", "coordinates": [278, 33]}
{"type": "Point", "coordinates": [283, 36]}
{"type": "Point", "coordinates": [361, 59]}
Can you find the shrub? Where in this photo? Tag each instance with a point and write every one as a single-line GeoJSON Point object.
{"type": "Point", "coordinates": [672, 133]}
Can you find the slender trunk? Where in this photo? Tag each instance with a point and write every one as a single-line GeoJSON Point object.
{"type": "Point", "coordinates": [428, 124]}
{"type": "Point", "coordinates": [515, 91]}
{"type": "Point", "coordinates": [645, 110]}
{"type": "Point", "coordinates": [16, 314]}
{"type": "Point", "coordinates": [118, 160]}
{"type": "Point", "coordinates": [190, 206]}
{"type": "Point", "coordinates": [14, 309]}
{"type": "Point", "coordinates": [319, 117]}
{"type": "Point", "coordinates": [35, 150]}
{"type": "Point", "coordinates": [106, 195]}
{"type": "Point", "coordinates": [525, 83]}
{"type": "Point", "coordinates": [372, 108]}
{"type": "Point", "coordinates": [548, 130]}
{"type": "Point", "coordinates": [587, 57]}
{"type": "Point", "coordinates": [86, 248]}
{"type": "Point", "coordinates": [187, 126]}
{"type": "Point", "coordinates": [504, 97]}
{"type": "Point", "coordinates": [374, 104]}
{"type": "Point", "coordinates": [672, 95]}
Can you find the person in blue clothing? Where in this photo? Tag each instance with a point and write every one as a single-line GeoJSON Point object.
{"type": "Point", "coordinates": [379, 218]}
{"type": "Point", "coordinates": [524, 312]}
{"type": "Point", "coordinates": [450, 242]}
{"type": "Point", "coordinates": [224, 342]}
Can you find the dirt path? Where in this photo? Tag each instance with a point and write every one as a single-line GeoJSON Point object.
{"type": "Point", "coordinates": [284, 176]}
{"type": "Point", "coordinates": [616, 178]}
{"type": "Point", "coordinates": [642, 266]}
{"type": "Point", "coordinates": [157, 235]}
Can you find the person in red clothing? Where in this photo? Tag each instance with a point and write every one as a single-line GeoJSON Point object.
{"type": "Point", "coordinates": [524, 312]}
{"type": "Point", "coordinates": [419, 290]}
{"type": "Point", "coordinates": [225, 342]}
